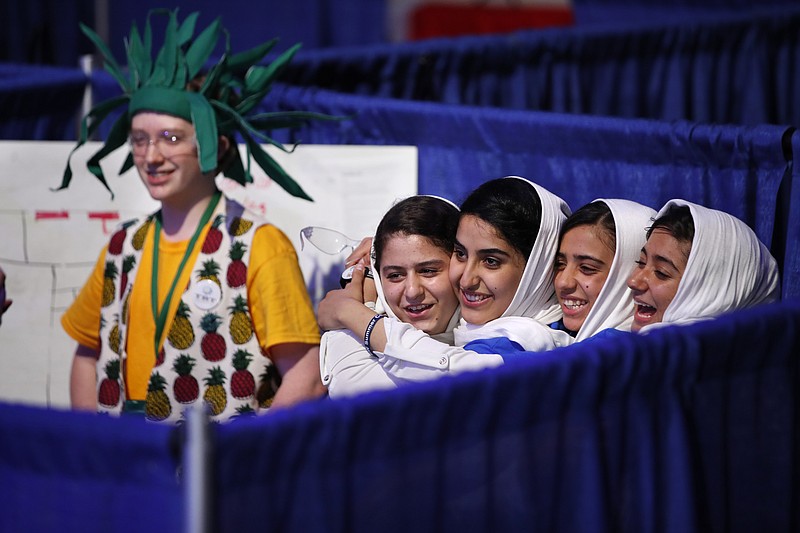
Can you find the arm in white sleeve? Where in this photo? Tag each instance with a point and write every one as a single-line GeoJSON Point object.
{"type": "Point", "coordinates": [412, 354]}
{"type": "Point", "coordinates": [347, 368]}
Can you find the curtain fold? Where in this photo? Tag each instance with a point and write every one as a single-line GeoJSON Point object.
{"type": "Point", "coordinates": [789, 238]}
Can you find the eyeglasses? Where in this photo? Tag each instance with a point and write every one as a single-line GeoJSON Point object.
{"type": "Point", "coordinates": [327, 240]}
{"type": "Point", "coordinates": [168, 143]}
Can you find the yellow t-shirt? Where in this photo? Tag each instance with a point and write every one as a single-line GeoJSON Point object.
{"type": "Point", "coordinates": [279, 304]}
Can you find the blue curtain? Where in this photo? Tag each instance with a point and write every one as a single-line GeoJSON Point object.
{"type": "Point", "coordinates": [65, 471]}
{"type": "Point", "coordinates": [686, 429]}
{"type": "Point", "coordinates": [314, 23]}
{"type": "Point", "coordinates": [44, 32]}
{"type": "Point", "coordinates": [787, 242]}
{"type": "Point", "coordinates": [693, 428]}
{"type": "Point", "coordinates": [40, 103]}
{"type": "Point", "coordinates": [720, 67]}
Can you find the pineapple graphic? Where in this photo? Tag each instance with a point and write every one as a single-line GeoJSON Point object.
{"type": "Point", "coordinates": [157, 406]}
{"type": "Point", "coordinates": [115, 245]}
{"type": "Point", "coordinates": [138, 238]}
{"type": "Point", "coordinates": [109, 392]}
{"type": "Point", "coordinates": [160, 356]}
{"type": "Point", "coordinates": [240, 226]}
{"type": "Point", "coordinates": [269, 381]}
{"type": "Point", "coordinates": [213, 237]}
{"type": "Point", "coordinates": [102, 327]}
{"type": "Point", "coordinates": [181, 334]}
{"type": "Point", "coordinates": [210, 271]}
{"type": "Point", "coordinates": [240, 327]}
{"type": "Point", "coordinates": [237, 270]}
{"type": "Point", "coordinates": [126, 305]}
{"type": "Point", "coordinates": [185, 388]}
{"type": "Point", "coordinates": [118, 239]}
{"type": "Point", "coordinates": [212, 346]}
{"type": "Point", "coordinates": [215, 394]}
{"type": "Point", "coordinates": [114, 337]}
{"type": "Point", "coordinates": [243, 384]}
{"type": "Point", "coordinates": [127, 265]}
{"type": "Point", "coordinates": [109, 275]}
{"type": "Point", "coordinates": [243, 411]}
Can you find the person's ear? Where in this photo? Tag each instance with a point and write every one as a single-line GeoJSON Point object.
{"type": "Point", "coordinates": [222, 147]}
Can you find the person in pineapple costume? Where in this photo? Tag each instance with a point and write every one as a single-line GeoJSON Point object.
{"type": "Point", "coordinates": [198, 302]}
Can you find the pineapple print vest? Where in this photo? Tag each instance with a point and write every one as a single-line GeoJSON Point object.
{"type": "Point", "coordinates": [211, 352]}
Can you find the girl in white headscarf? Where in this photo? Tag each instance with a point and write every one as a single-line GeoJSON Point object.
{"type": "Point", "coordinates": [699, 263]}
{"type": "Point", "coordinates": [599, 243]}
{"type": "Point", "coordinates": [502, 270]}
{"type": "Point", "coordinates": [410, 260]}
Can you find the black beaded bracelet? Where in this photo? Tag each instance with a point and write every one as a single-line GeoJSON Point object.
{"type": "Point", "coordinates": [368, 333]}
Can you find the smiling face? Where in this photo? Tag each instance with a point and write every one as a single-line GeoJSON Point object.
{"type": "Point", "coordinates": [166, 158]}
{"type": "Point", "coordinates": [581, 268]}
{"type": "Point", "coordinates": [656, 276]}
{"type": "Point", "coordinates": [485, 270]}
{"type": "Point", "coordinates": [415, 282]}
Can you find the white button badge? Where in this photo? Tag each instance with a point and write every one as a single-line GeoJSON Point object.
{"type": "Point", "coordinates": [207, 294]}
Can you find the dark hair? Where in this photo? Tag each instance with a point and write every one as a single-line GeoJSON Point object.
{"type": "Point", "coordinates": [677, 221]}
{"type": "Point", "coordinates": [593, 214]}
{"type": "Point", "coordinates": [429, 217]}
{"type": "Point", "coordinates": [512, 207]}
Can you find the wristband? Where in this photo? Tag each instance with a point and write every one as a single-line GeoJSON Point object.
{"type": "Point", "coordinates": [368, 333]}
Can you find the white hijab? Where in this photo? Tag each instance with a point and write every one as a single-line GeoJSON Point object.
{"type": "Point", "coordinates": [728, 268]}
{"type": "Point", "coordinates": [535, 297]}
{"type": "Point", "coordinates": [382, 305]}
{"type": "Point", "coordinates": [614, 305]}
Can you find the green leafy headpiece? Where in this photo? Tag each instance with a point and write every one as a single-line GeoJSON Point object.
{"type": "Point", "coordinates": [230, 90]}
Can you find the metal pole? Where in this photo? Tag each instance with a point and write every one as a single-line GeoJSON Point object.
{"type": "Point", "coordinates": [101, 22]}
{"type": "Point", "coordinates": [89, 62]}
{"type": "Point", "coordinates": [87, 66]}
{"type": "Point", "coordinates": [197, 460]}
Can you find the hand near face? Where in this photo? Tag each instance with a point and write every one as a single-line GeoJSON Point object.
{"type": "Point", "coordinates": [360, 255]}
{"type": "Point", "coordinates": [369, 291]}
{"type": "Point", "coordinates": [341, 302]}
